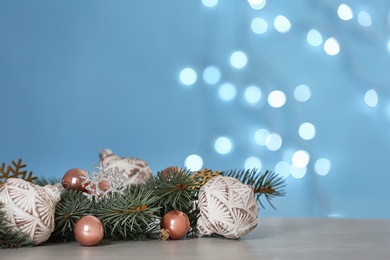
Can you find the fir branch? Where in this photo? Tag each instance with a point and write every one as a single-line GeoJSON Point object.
{"type": "Point", "coordinates": [176, 190]}
{"type": "Point", "coordinates": [131, 215]}
{"type": "Point", "coordinates": [9, 237]}
{"type": "Point", "coordinates": [268, 184]}
{"type": "Point", "coordinates": [72, 206]}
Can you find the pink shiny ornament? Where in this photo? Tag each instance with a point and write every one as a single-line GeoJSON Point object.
{"type": "Point", "coordinates": [176, 223]}
{"type": "Point", "coordinates": [103, 187]}
{"type": "Point", "coordinates": [73, 181]}
{"type": "Point", "coordinates": [171, 172]}
{"type": "Point", "coordinates": [88, 231]}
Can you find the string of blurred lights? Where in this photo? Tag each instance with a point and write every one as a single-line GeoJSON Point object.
{"type": "Point", "coordinates": [295, 162]}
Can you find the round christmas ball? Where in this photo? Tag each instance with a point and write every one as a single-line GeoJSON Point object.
{"type": "Point", "coordinates": [170, 172]}
{"type": "Point", "coordinates": [88, 231]}
{"type": "Point", "coordinates": [103, 187]}
{"type": "Point", "coordinates": [176, 223]}
{"type": "Point", "coordinates": [171, 169]}
{"type": "Point", "coordinates": [72, 179]}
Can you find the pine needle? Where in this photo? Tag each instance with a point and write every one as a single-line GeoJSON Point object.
{"type": "Point", "coordinates": [131, 215]}
{"type": "Point", "coordinates": [72, 206]}
{"type": "Point", "coordinates": [177, 191]}
{"type": "Point", "coordinates": [268, 184]}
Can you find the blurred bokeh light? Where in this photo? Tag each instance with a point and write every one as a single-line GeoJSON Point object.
{"type": "Point", "coordinates": [296, 87]}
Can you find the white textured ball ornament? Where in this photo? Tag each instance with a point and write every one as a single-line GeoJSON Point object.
{"type": "Point", "coordinates": [227, 208]}
{"type": "Point", "coordinates": [30, 208]}
{"type": "Point", "coordinates": [135, 171]}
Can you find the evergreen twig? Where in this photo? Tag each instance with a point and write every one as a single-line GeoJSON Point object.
{"type": "Point", "coordinates": [131, 215]}
{"type": "Point", "coordinates": [268, 184]}
{"type": "Point", "coordinates": [135, 213]}
{"type": "Point", "coordinates": [72, 206]}
{"type": "Point", "coordinates": [177, 191]}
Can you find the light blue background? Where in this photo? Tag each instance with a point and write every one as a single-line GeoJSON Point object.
{"type": "Point", "coordinates": [78, 76]}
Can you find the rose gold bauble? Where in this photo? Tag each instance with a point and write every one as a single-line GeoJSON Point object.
{"type": "Point", "coordinates": [88, 231]}
{"type": "Point", "coordinates": [176, 223]}
{"type": "Point", "coordinates": [171, 169]}
{"type": "Point", "coordinates": [73, 181]}
{"type": "Point", "coordinates": [170, 172]}
{"type": "Point", "coordinates": [104, 186]}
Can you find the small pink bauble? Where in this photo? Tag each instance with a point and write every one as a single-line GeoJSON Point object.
{"type": "Point", "coordinates": [103, 186]}
{"type": "Point", "coordinates": [88, 231]}
{"type": "Point", "coordinates": [72, 179]}
{"type": "Point", "coordinates": [176, 223]}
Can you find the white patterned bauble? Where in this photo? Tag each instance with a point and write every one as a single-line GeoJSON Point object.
{"type": "Point", "coordinates": [227, 208]}
{"type": "Point", "coordinates": [135, 171]}
{"type": "Point", "coordinates": [30, 208]}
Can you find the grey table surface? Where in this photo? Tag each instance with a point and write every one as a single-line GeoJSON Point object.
{"type": "Point", "coordinates": [274, 238]}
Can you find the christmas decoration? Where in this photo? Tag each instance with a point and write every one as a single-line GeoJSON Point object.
{"type": "Point", "coordinates": [106, 180]}
{"type": "Point", "coordinates": [227, 208]}
{"type": "Point", "coordinates": [268, 184]}
{"type": "Point", "coordinates": [29, 208]}
{"type": "Point", "coordinates": [73, 179]}
{"type": "Point", "coordinates": [136, 171]}
{"type": "Point", "coordinates": [202, 176]}
{"type": "Point", "coordinates": [88, 231]}
{"type": "Point", "coordinates": [176, 224]}
{"type": "Point", "coordinates": [140, 211]}
{"type": "Point", "coordinates": [99, 189]}
{"type": "Point", "coordinates": [174, 186]}
{"type": "Point", "coordinates": [170, 172]}
{"type": "Point", "coordinates": [15, 172]}
{"type": "Point", "coordinates": [72, 206]}
{"type": "Point", "coordinates": [131, 215]}
{"type": "Point", "coordinates": [10, 237]}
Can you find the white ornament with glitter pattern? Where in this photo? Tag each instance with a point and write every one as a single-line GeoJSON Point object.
{"type": "Point", "coordinates": [30, 208]}
{"type": "Point", "coordinates": [227, 208]}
